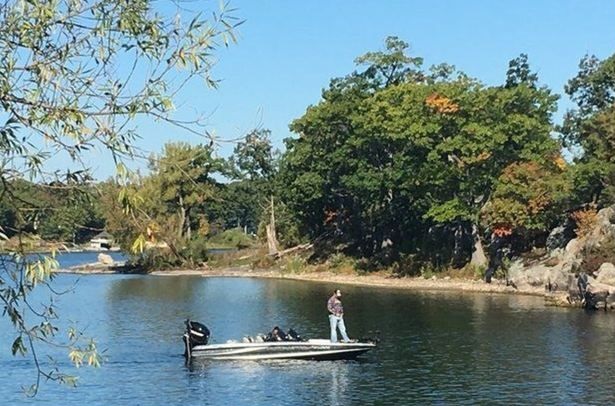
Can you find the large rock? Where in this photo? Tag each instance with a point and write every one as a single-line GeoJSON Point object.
{"type": "Point", "coordinates": [606, 274]}
{"type": "Point", "coordinates": [559, 237]}
{"type": "Point", "coordinates": [574, 248]}
{"type": "Point", "coordinates": [604, 228]}
{"type": "Point", "coordinates": [605, 222]}
{"type": "Point", "coordinates": [556, 278]}
{"type": "Point", "coordinates": [537, 275]}
{"type": "Point", "coordinates": [599, 296]}
{"type": "Point", "coordinates": [105, 259]}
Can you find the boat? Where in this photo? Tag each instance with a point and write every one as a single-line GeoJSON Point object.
{"type": "Point", "coordinates": [292, 346]}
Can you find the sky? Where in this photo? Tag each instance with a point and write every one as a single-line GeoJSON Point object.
{"type": "Point", "coordinates": [288, 51]}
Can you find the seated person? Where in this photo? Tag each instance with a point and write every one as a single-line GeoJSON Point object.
{"type": "Point", "coordinates": [276, 335]}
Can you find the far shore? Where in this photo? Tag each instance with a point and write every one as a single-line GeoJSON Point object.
{"type": "Point", "coordinates": [372, 280]}
{"type": "Point", "coordinates": [382, 280]}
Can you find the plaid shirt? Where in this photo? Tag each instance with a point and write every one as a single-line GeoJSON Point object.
{"type": "Point", "coordinates": [334, 305]}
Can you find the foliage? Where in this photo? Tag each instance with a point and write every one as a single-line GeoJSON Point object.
{"type": "Point", "coordinates": [591, 128]}
{"type": "Point", "coordinates": [73, 77]}
{"type": "Point", "coordinates": [293, 264]}
{"type": "Point", "coordinates": [392, 66]}
{"type": "Point", "coordinates": [254, 156]}
{"type": "Point", "coordinates": [585, 220]}
{"type": "Point", "coordinates": [595, 256]}
{"type": "Point", "coordinates": [196, 251]}
{"type": "Point", "coordinates": [528, 197]}
{"type": "Point", "coordinates": [57, 212]}
{"type": "Point", "coordinates": [166, 209]}
{"type": "Point", "coordinates": [235, 238]}
{"type": "Point", "coordinates": [255, 165]}
{"type": "Point", "coordinates": [384, 158]}
{"type": "Point", "coordinates": [180, 182]}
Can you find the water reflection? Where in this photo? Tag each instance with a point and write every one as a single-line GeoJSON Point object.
{"type": "Point", "coordinates": [339, 383]}
{"type": "Point", "coordinates": [442, 348]}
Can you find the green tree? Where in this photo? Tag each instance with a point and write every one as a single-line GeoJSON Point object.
{"type": "Point", "coordinates": [591, 128]}
{"type": "Point", "coordinates": [337, 175]}
{"type": "Point", "coordinates": [254, 157]}
{"type": "Point", "coordinates": [255, 167]}
{"type": "Point", "coordinates": [376, 167]}
{"type": "Point", "coordinates": [529, 198]}
{"type": "Point", "coordinates": [493, 128]}
{"type": "Point", "coordinates": [73, 76]}
{"type": "Point", "coordinates": [392, 66]}
{"type": "Point", "coordinates": [68, 212]}
{"type": "Point", "coordinates": [181, 180]}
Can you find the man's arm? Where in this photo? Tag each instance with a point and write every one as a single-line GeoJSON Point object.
{"type": "Point", "coordinates": [330, 306]}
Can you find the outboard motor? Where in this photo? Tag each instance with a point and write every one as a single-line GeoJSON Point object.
{"type": "Point", "coordinates": [196, 334]}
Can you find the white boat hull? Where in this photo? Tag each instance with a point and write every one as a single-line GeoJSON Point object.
{"type": "Point", "coordinates": [311, 349]}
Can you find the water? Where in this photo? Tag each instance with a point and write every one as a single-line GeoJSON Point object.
{"type": "Point", "coordinates": [437, 348]}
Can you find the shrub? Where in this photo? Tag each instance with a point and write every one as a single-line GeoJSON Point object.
{"type": "Point", "coordinates": [585, 220]}
{"type": "Point", "coordinates": [409, 265]}
{"type": "Point", "coordinates": [263, 261]}
{"type": "Point", "coordinates": [340, 263]}
{"type": "Point", "coordinates": [153, 259]}
{"type": "Point", "coordinates": [294, 264]}
{"type": "Point", "coordinates": [196, 251]}
{"type": "Point", "coordinates": [597, 255]}
{"type": "Point", "coordinates": [233, 238]}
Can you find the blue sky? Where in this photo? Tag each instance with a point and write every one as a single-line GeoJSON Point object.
{"type": "Point", "coordinates": [289, 50]}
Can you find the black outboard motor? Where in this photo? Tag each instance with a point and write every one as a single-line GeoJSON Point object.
{"type": "Point", "coordinates": [196, 334]}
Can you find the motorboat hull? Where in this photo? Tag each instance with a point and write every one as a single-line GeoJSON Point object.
{"type": "Point", "coordinates": [309, 350]}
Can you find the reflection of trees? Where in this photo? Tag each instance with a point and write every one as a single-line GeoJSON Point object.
{"type": "Point", "coordinates": [145, 307]}
{"type": "Point", "coordinates": [149, 287]}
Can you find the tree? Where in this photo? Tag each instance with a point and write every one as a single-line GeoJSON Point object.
{"type": "Point", "coordinates": [73, 76]}
{"type": "Point", "coordinates": [591, 128]}
{"type": "Point", "coordinates": [253, 195]}
{"type": "Point", "coordinates": [339, 176]}
{"type": "Point", "coordinates": [181, 180]}
{"type": "Point", "coordinates": [68, 212]}
{"type": "Point", "coordinates": [254, 157]}
{"type": "Point", "coordinates": [493, 128]}
{"type": "Point", "coordinates": [392, 66]}
{"type": "Point", "coordinates": [380, 163]}
{"type": "Point", "coordinates": [166, 210]}
{"type": "Point", "coordinates": [529, 198]}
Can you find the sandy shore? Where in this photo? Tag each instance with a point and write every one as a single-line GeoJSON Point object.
{"type": "Point", "coordinates": [376, 280]}
{"type": "Point", "coordinates": [335, 279]}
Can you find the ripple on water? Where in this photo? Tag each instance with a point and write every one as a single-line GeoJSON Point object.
{"type": "Point", "coordinates": [436, 348]}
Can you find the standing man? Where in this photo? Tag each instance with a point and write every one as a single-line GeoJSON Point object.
{"type": "Point", "coordinates": [336, 316]}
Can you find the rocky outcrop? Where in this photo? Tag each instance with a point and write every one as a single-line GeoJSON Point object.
{"type": "Point", "coordinates": [606, 274]}
{"type": "Point", "coordinates": [105, 259]}
{"type": "Point", "coordinates": [559, 237]}
{"type": "Point", "coordinates": [560, 271]}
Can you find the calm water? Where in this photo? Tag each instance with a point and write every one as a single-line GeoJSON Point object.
{"type": "Point", "coordinates": [437, 348]}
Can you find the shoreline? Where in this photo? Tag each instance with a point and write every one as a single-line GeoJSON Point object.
{"type": "Point", "coordinates": [374, 280]}
{"type": "Point", "coordinates": [371, 280]}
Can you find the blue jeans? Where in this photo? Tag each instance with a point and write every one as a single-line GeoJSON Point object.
{"type": "Point", "coordinates": [335, 323]}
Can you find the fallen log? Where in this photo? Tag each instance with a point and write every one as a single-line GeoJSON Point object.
{"type": "Point", "coordinates": [300, 247]}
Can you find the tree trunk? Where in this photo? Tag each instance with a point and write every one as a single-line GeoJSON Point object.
{"type": "Point", "coordinates": [478, 254]}
{"type": "Point", "coordinates": [272, 240]}
{"type": "Point", "coordinates": [182, 218]}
